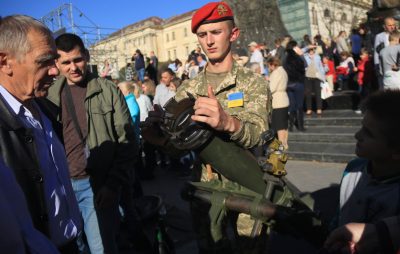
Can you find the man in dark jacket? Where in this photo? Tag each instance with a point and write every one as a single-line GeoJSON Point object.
{"type": "Point", "coordinates": [139, 64]}
{"type": "Point", "coordinates": [21, 237]}
{"type": "Point", "coordinates": [28, 144]}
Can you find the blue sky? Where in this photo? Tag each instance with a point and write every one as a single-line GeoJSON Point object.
{"type": "Point", "coordinates": [110, 13]}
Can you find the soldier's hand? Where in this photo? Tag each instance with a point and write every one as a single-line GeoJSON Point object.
{"type": "Point", "coordinates": [208, 110]}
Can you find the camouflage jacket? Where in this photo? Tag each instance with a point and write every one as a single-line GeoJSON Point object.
{"type": "Point", "coordinates": [253, 115]}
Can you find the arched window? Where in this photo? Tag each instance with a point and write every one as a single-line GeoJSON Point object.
{"type": "Point", "coordinates": [314, 16]}
{"type": "Point", "coordinates": [327, 13]}
{"type": "Point", "coordinates": [344, 17]}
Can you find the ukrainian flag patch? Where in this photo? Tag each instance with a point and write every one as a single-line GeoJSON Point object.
{"type": "Point", "coordinates": [235, 100]}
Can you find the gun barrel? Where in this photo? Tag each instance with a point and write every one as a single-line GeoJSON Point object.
{"type": "Point", "coordinates": [241, 204]}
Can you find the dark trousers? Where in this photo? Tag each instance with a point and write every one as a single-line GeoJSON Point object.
{"type": "Point", "coordinates": [109, 220]}
{"type": "Point", "coordinates": [295, 92]}
{"type": "Point", "coordinates": [150, 164]}
{"type": "Point", "coordinates": [69, 248]}
{"type": "Point", "coordinates": [379, 77]}
{"type": "Point", "coordinates": [312, 86]}
{"type": "Point", "coordinates": [130, 192]}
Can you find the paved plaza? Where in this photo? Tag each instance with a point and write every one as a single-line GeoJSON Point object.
{"type": "Point", "coordinates": [319, 179]}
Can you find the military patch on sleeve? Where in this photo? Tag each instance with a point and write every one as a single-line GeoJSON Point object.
{"type": "Point", "coordinates": [235, 100]}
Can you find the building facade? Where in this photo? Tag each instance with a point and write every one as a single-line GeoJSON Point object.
{"type": "Point", "coordinates": [324, 17]}
{"type": "Point", "coordinates": [329, 17]}
{"type": "Point", "coordinates": [172, 38]}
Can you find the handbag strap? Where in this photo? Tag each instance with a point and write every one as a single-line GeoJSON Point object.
{"type": "Point", "coordinates": [72, 112]}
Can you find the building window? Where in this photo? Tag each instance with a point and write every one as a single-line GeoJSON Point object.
{"type": "Point", "coordinates": [174, 53]}
{"type": "Point", "coordinates": [185, 32]}
{"type": "Point", "coordinates": [327, 13]}
{"type": "Point", "coordinates": [169, 55]}
{"type": "Point", "coordinates": [344, 17]}
{"type": "Point", "coordinates": [144, 40]}
{"type": "Point", "coordinates": [187, 50]}
{"type": "Point", "coordinates": [314, 16]}
{"type": "Point", "coordinates": [173, 36]}
{"type": "Point", "coordinates": [167, 37]}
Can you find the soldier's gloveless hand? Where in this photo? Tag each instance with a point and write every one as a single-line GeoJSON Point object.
{"type": "Point", "coordinates": [208, 110]}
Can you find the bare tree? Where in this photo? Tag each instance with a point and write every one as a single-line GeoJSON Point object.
{"type": "Point", "coordinates": [337, 15]}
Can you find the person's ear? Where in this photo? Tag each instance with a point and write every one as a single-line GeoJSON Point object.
{"type": "Point", "coordinates": [235, 34]}
{"type": "Point", "coordinates": [5, 65]}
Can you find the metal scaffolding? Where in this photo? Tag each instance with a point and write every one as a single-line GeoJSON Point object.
{"type": "Point", "coordinates": [68, 18]}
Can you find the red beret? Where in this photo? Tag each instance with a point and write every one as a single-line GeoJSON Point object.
{"type": "Point", "coordinates": [211, 13]}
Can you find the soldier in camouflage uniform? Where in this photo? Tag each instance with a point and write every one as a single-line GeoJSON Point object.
{"type": "Point", "coordinates": [229, 98]}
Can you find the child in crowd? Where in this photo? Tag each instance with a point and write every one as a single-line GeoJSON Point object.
{"type": "Point", "coordinates": [331, 73]}
{"type": "Point", "coordinates": [365, 71]}
{"type": "Point", "coordinates": [149, 88]}
{"type": "Point", "coordinates": [370, 186]}
{"type": "Point", "coordinates": [175, 83]}
{"type": "Point", "coordinates": [128, 90]}
{"type": "Point", "coordinates": [345, 70]}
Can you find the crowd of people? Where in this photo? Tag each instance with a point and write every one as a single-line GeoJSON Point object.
{"type": "Point", "coordinates": [73, 151]}
{"type": "Point", "coordinates": [312, 70]}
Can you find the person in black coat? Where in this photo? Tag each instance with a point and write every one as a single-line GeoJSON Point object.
{"type": "Point", "coordinates": [295, 68]}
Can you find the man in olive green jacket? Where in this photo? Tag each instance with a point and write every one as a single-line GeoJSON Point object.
{"type": "Point", "coordinates": [99, 140]}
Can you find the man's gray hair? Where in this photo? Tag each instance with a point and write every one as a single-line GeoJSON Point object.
{"type": "Point", "coordinates": [14, 34]}
{"type": "Point", "coordinates": [255, 67]}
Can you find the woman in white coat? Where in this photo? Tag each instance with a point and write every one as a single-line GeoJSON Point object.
{"type": "Point", "coordinates": [278, 80]}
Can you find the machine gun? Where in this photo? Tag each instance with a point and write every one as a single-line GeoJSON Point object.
{"type": "Point", "coordinates": [256, 187]}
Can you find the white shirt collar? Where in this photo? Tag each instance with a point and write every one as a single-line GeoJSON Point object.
{"type": "Point", "coordinates": [11, 100]}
